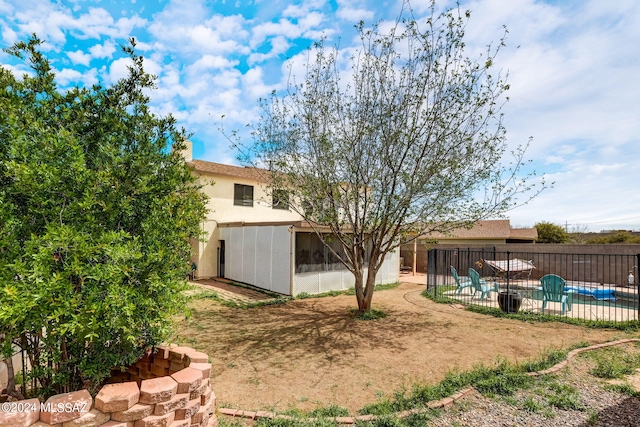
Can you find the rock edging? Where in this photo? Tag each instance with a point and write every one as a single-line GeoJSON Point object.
{"type": "Point", "coordinates": [168, 387]}
{"type": "Point", "coordinates": [442, 403]}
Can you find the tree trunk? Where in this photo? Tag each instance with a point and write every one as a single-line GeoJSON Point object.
{"type": "Point", "coordinates": [11, 383]}
{"type": "Point", "coordinates": [364, 294]}
{"type": "Point", "coordinates": [360, 291]}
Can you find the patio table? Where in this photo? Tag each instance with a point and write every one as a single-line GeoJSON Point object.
{"type": "Point", "coordinates": [516, 268]}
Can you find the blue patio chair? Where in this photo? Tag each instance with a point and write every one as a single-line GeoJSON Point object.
{"type": "Point", "coordinates": [481, 286]}
{"type": "Point", "coordinates": [461, 282]}
{"type": "Point", "coordinates": [553, 289]}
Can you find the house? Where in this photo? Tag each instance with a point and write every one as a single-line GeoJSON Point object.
{"type": "Point", "coordinates": [254, 238]}
{"type": "Point", "coordinates": [488, 233]}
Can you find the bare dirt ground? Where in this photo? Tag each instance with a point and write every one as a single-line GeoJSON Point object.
{"type": "Point", "coordinates": [311, 353]}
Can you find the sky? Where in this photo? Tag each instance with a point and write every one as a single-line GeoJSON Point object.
{"type": "Point", "coordinates": [573, 68]}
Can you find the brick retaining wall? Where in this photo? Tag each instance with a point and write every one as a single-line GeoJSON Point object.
{"type": "Point", "coordinates": [167, 388]}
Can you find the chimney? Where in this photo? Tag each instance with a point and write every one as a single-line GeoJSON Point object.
{"type": "Point", "coordinates": [187, 153]}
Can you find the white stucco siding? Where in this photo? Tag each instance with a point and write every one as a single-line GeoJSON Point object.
{"type": "Point", "coordinates": [220, 191]}
{"type": "Point", "coordinates": [222, 209]}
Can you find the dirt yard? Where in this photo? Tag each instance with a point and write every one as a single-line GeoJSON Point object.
{"type": "Point", "coordinates": [310, 353]}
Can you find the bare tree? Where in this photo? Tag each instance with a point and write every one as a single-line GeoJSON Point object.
{"type": "Point", "coordinates": [409, 143]}
{"type": "Point", "coordinates": [578, 233]}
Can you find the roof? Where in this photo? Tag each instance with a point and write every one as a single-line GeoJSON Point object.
{"type": "Point", "coordinates": [203, 166]}
{"type": "Point", "coordinates": [299, 225]}
{"type": "Point", "coordinates": [488, 229]}
{"type": "Point", "coordinates": [524, 233]}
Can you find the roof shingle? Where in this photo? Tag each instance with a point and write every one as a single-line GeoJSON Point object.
{"type": "Point", "coordinates": [229, 170]}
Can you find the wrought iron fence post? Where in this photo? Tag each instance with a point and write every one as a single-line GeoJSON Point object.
{"type": "Point", "coordinates": [432, 268]}
{"type": "Point", "coordinates": [637, 299]}
{"type": "Point", "coordinates": [508, 260]}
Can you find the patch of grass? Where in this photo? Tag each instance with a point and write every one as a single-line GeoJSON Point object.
{"type": "Point", "coordinates": [226, 422]}
{"type": "Point", "coordinates": [436, 294]}
{"type": "Point", "coordinates": [613, 362]}
{"type": "Point", "coordinates": [528, 316]}
{"type": "Point", "coordinates": [564, 396]}
{"type": "Point", "coordinates": [504, 379]}
{"type": "Point", "coordinates": [625, 388]}
{"type": "Point", "coordinates": [303, 295]}
{"type": "Point", "coordinates": [530, 404]}
{"type": "Point", "coordinates": [548, 393]}
{"type": "Point", "coordinates": [329, 411]}
{"type": "Point", "coordinates": [421, 419]}
{"type": "Point", "coordinates": [242, 305]}
{"type": "Point", "coordinates": [383, 421]}
{"type": "Point", "coordinates": [372, 314]}
{"type": "Point", "coordinates": [350, 291]}
{"type": "Point", "coordinates": [295, 422]}
{"type": "Point", "coordinates": [204, 294]}
{"type": "Point", "coordinates": [593, 418]}
{"type": "Point", "coordinates": [550, 358]}
{"type": "Point", "coordinates": [386, 286]}
{"type": "Point", "coordinates": [256, 289]}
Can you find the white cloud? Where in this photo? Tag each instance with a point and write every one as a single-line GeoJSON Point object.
{"type": "Point", "coordinates": [9, 36]}
{"type": "Point", "coordinates": [105, 50]}
{"type": "Point", "coordinates": [279, 46]}
{"type": "Point", "coordinates": [599, 169]}
{"type": "Point", "coordinates": [352, 12]}
{"type": "Point", "coordinates": [210, 62]}
{"type": "Point", "coordinates": [79, 57]}
{"type": "Point", "coordinates": [118, 70]}
{"type": "Point", "coordinates": [70, 77]}
{"type": "Point", "coordinates": [190, 29]}
{"type": "Point", "coordinates": [305, 27]}
{"type": "Point", "coordinates": [253, 84]}
{"type": "Point", "coordinates": [226, 79]}
{"type": "Point", "coordinates": [196, 40]}
{"type": "Point", "coordinates": [55, 24]}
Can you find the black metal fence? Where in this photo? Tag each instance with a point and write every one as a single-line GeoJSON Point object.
{"type": "Point", "coordinates": [597, 286]}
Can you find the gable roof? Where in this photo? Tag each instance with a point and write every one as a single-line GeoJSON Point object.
{"type": "Point", "coordinates": [229, 170]}
{"type": "Point", "coordinates": [487, 229]}
{"type": "Point", "coordinates": [524, 233]}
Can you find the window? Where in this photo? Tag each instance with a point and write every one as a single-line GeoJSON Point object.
{"type": "Point", "coordinates": [280, 200]}
{"type": "Point", "coordinates": [242, 195]}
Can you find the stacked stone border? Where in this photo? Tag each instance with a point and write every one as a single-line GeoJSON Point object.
{"type": "Point", "coordinates": [168, 387]}
{"type": "Point", "coordinates": [442, 403]}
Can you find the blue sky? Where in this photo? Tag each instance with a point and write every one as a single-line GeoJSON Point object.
{"type": "Point", "coordinates": [574, 71]}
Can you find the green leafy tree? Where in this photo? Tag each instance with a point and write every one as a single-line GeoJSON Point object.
{"type": "Point", "coordinates": [97, 207]}
{"type": "Point", "coordinates": [408, 141]}
{"type": "Point", "coordinates": [551, 233]}
{"type": "Point", "coordinates": [620, 236]}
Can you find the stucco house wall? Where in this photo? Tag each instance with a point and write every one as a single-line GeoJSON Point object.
{"type": "Point", "coordinates": [218, 183]}
{"type": "Point", "coordinates": [257, 243]}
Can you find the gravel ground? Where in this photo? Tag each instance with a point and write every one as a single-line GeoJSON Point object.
{"type": "Point", "coordinates": [600, 408]}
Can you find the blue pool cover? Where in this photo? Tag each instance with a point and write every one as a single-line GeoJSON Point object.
{"type": "Point", "coordinates": [599, 294]}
